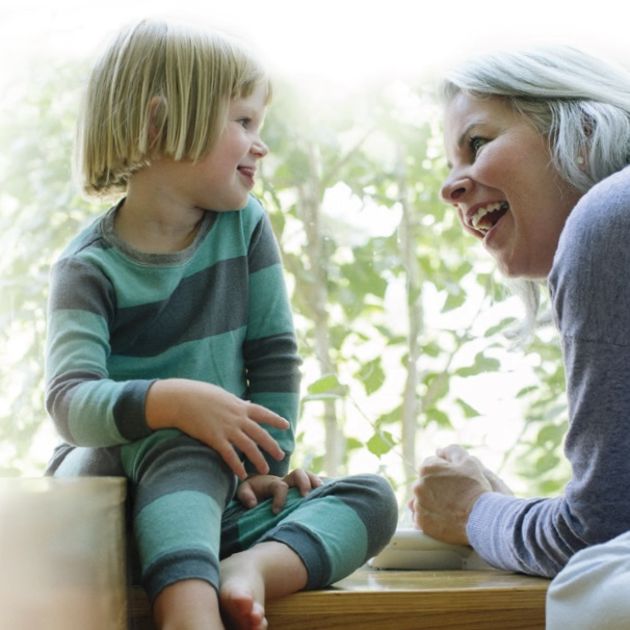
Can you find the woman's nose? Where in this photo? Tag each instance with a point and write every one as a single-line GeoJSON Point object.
{"type": "Point", "coordinates": [454, 188]}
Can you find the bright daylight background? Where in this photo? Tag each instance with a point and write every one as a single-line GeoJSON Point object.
{"type": "Point", "coordinates": [348, 40]}
{"type": "Point", "coordinates": [333, 46]}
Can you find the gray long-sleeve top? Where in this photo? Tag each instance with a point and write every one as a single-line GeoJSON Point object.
{"type": "Point", "coordinates": [590, 291]}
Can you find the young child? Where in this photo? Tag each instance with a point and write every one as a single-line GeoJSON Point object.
{"type": "Point", "coordinates": [171, 355]}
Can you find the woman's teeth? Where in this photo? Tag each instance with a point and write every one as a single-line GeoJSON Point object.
{"type": "Point", "coordinates": [487, 216]}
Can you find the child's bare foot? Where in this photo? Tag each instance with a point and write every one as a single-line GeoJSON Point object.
{"type": "Point", "coordinates": [188, 604]}
{"type": "Point", "coordinates": [242, 594]}
{"type": "Point", "coordinates": [267, 570]}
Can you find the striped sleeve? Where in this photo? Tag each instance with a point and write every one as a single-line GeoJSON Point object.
{"type": "Point", "coordinates": [87, 407]}
{"type": "Point", "coordinates": [270, 349]}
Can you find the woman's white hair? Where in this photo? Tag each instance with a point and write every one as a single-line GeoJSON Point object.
{"type": "Point", "coordinates": [581, 103]}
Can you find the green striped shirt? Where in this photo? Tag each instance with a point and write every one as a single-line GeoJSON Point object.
{"type": "Point", "coordinates": [216, 312]}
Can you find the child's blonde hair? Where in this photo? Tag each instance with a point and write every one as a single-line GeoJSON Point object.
{"type": "Point", "coordinates": [159, 89]}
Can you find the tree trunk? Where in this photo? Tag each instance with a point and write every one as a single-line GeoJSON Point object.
{"type": "Point", "coordinates": [310, 200]}
{"type": "Point", "coordinates": [415, 317]}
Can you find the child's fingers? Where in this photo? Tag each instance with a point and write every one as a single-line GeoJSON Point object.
{"type": "Point", "coordinates": [250, 449]}
{"type": "Point", "coordinates": [246, 495]}
{"type": "Point", "coordinates": [261, 438]}
{"type": "Point", "coordinates": [302, 480]}
{"type": "Point", "coordinates": [279, 490]}
{"type": "Point", "coordinates": [315, 480]}
{"type": "Point", "coordinates": [231, 458]}
{"type": "Point", "coordinates": [261, 414]}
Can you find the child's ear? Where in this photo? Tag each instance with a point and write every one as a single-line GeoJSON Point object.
{"type": "Point", "coordinates": [156, 121]}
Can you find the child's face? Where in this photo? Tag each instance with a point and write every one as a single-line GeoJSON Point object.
{"type": "Point", "coordinates": [224, 177]}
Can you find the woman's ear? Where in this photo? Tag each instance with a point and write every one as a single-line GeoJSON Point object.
{"type": "Point", "coordinates": [581, 161]}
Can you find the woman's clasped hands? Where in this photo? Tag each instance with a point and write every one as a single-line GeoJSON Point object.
{"type": "Point", "coordinates": [449, 484]}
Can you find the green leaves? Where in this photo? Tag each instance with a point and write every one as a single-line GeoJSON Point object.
{"type": "Point", "coordinates": [468, 410]}
{"type": "Point", "coordinates": [371, 375]}
{"type": "Point", "coordinates": [482, 364]}
{"type": "Point", "coordinates": [328, 386]}
{"type": "Point", "coordinates": [399, 314]}
{"type": "Point", "coordinates": [381, 443]}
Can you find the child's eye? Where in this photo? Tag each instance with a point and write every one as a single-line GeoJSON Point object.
{"type": "Point", "coordinates": [244, 122]}
{"type": "Point", "coordinates": [475, 143]}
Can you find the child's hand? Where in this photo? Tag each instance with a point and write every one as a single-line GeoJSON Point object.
{"type": "Point", "coordinates": [217, 418]}
{"type": "Point", "coordinates": [260, 487]}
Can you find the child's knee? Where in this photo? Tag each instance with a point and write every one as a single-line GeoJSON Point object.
{"type": "Point", "coordinates": [373, 499]}
{"type": "Point", "coordinates": [172, 457]}
{"type": "Point", "coordinates": [384, 503]}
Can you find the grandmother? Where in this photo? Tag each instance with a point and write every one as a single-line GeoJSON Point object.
{"type": "Point", "coordinates": [538, 144]}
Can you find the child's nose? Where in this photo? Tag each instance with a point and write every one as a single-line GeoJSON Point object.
{"type": "Point", "coordinates": [259, 148]}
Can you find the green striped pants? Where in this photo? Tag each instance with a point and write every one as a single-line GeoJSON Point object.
{"type": "Point", "coordinates": [186, 519]}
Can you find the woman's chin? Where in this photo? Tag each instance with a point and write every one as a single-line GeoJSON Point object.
{"type": "Point", "coordinates": [514, 271]}
{"type": "Point", "coordinates": [507, 267]}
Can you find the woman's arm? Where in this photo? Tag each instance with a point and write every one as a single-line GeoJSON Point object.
{"type": "Point", "coordinates": [591, 300]}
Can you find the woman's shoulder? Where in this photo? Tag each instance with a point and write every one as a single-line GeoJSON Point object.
{"type": "Point", "coordinates": [588, 286]}
{"type": "Point", "coordinates": [614, 187]}
{"type": "Point", "coordinates": [605, 207]}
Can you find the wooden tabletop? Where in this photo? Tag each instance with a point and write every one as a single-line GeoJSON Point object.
{"type": "Point", "coordinates": [406, 600]}
{"type": "Point", "coordinates": [370, 599]}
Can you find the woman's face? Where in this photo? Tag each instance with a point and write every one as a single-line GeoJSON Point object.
{"type": "Point", "coordinates": [502, 182]}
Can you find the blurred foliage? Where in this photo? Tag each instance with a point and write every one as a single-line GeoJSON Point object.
{"type": "Point", "coordinates": [39, 212]}
{"type": "Point", "coordinates": [397, 312]}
